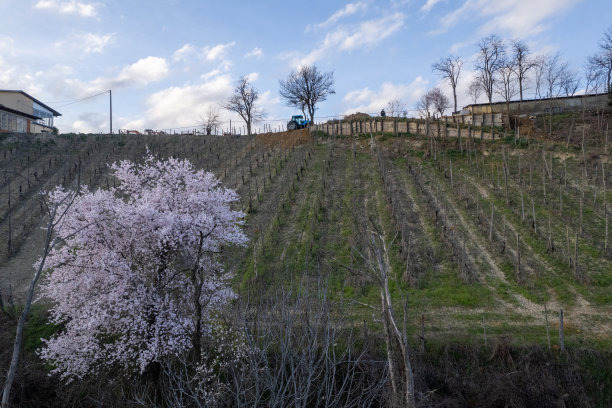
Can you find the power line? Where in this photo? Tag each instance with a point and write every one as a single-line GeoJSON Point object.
{"type": "Point", "coordinates": [81, 100]}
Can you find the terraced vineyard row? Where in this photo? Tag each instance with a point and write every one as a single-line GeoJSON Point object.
{"type": "Point", "coordinates": [484, 236]}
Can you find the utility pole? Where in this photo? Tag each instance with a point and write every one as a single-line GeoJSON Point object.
{"type": "Point", "coordinates": [110, 96]}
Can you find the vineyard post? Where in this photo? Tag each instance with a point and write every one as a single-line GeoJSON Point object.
{"type": "Point", "coordinates": [445, 127]}
{"type": "Point", "coordinates": [582, 149]}
{"type": "Point", "coordinates": [423, 340]}
{"type": "Point", "coordinates": [518, 257]}
{"type": "Point", "coordinates": [560, 201]}
{"type": "Point", "coordinates": [547, 327]}
{"type": "Point", "coordinates": [550, 240]}
{"type": "Point", "coordinates": [10, 227]}
{"type": "Point", "coordinates": [395, 127]}
{"type": "Point", "coordinates": [522, 208]}
{"type": "Point", "coordinates": [561, 332]}
{"type": "Point", "coordinates": [533, 215]}
{"type": "Point", "coordinates": [581, 205]}
{"type": "Point", "coordinates": [459, 138]}
{"type": "Point", "coordinates": [576, 256]}
{"type": "Point", "coordinates": [505, 164]}
{"type": "Point", "coordinates": [491, 223]}
{"type": "Point", "coordinates": [544, 165]}
{"type": "Point", "coordinates": [567, 240]}
{"type": "Point", "coordinates": [605, 204]}
{"type": "Point", "coordinates": [484, 331]}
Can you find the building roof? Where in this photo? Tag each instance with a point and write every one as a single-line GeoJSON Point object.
{"type": "Point", "coordinates": [16, 112]}
{"type": "Point", "coordinates": [55, 113]}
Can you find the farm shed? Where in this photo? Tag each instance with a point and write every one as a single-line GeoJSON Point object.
{"type": "Point", "coordinates": [536, 106]}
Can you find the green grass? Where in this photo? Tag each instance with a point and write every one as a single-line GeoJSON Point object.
{"type": "Point", "coordinates": [37, 328]}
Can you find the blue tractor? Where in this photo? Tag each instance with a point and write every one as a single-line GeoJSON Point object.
{"type": "Point", "coordinates": [297, 122]}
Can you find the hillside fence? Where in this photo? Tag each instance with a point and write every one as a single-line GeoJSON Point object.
{"type": "Point", "coordinates": [441, 128]}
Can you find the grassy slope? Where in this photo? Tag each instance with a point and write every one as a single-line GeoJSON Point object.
{"type": "Point", "coordinates": [310, 203]}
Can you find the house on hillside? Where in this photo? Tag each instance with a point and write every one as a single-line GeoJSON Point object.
{"type": "Point", "coordinates": [22, 113]}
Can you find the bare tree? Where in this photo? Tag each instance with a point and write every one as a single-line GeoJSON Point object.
{"type": "Point", "coordinates": [602, 61]}
{"type": "Point", "coordinates": [506, 86]}
{"type": "Point", "coordinates": [521, 64]}
{"type": "Point", "coordinates": [396, 107]}
{"type": "Point", "coordinates": [540, 83]}
{"type": "Point", "coordinates": [449, 68]}
{"type": "Point", "coordinates": [295, 357]}
{"type": "Point", "coordinates": [211, 120]}
{"type": "Point", "coordinates": [569, 81]}
{"type": "Point", "coordinates": [434, 101]}
{"type": "Point", "coordinates": [474, 91]}
{"type": "Point", "coordinates": [554, 68]}
{"type": "Point", "coordinates": [56, 214]}
{"type": "Point", "coordinates": [552, 71]}
{"type": "Point", "coordinates": [306, 87]}
{"type": "Point", "coordinates": [425, 106]}
{"type": "Point", "coordinates": [439, 100]}
{"type": "Point", "coordinates": [243, 102]}
{"type": "Point", "coordinates": [491, 52]}
{"type": "Point", "coordinates": [398, 355]}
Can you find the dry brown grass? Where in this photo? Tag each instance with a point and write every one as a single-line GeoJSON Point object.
{"type": "Point", "coordinates": [284, 140]}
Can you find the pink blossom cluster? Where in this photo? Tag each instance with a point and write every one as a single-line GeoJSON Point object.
{"type": "Point", "coordinates": [134, 263]}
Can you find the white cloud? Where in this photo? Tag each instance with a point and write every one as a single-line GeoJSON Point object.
{"type": "Point", "coordinates": [183, 52]}
{"type": "Point", "coordinates": [69, 7]}
{"type": "Point", "coordinates": [252, 77]}
{"type": "Point", "coordinates": [367, 34]}
{"type": "Point", "coordinates": [140, 73]}
{"type": "Point", "coordinates": [255, 52]}
{"type": "Point", "coordinates": [349, 9]}
{"type": "Point", "coordinates": [429, 5]}
{"type": "Point", "coordinates": [96, 43]}
{"type": "Point", "coordinates": [210, 74]}
{"type": "Point", "coordinates": [7, 46]}
{"type": "Point", "coordinates": [519, 18]}
{"type": "Point", "coordinates": [143, 71]}
{"type": "Point", "coordinates": [15, 74]}
{"type": "Point", "coordinates": [86, 42]}
{"type": "Point", "coordinates": [217, 52]}
{"type": "Point", "coordinates": [183, 105]}
{"type": "Point", "coordinates": [90, 123]}
{"type": "Point", "coordinates": [369, 101]}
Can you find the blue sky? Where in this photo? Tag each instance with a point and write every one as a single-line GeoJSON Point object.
{"type": "Point", "coordinates": [167, 62]}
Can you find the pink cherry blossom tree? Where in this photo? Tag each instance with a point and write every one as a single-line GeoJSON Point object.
{"type": "Point", "coordinates": [136, 280]}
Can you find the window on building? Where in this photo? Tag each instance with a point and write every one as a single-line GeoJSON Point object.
{"type": "Point", "coordinates": [12, 123]}
{"type": "Point", "coordinates": [21, 125]}
{"type": "Point", "coordinates": [3, 120]}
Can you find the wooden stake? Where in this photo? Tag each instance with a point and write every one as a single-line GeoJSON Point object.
{"type": "Point", "coordinates": [491, 224]}
{"type": "Point", "coordinates": [484, 331]}
{"type": "Point", "coordinates": [534, 217]}
{"type": "Point", "coordinates": [561, 332]}
{"type": "Point", "coordinates": [518, 258]}
{"type": "Point", "coordinates": [522, 208]}
{"type": "Point", "coordinates": [547, 328]}
{"type": "Point", "coordinates": [576, 256]}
